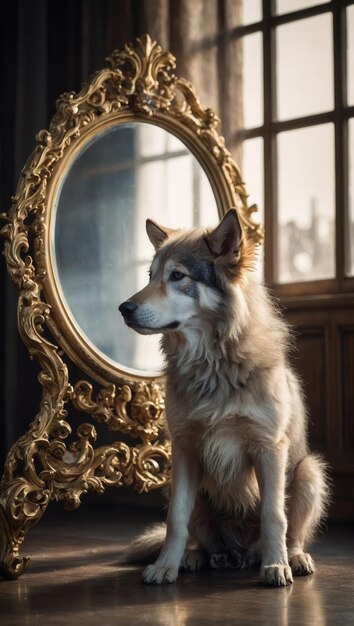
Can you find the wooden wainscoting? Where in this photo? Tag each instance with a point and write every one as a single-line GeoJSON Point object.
{"type": "Point", "coordinates": [324, 358]}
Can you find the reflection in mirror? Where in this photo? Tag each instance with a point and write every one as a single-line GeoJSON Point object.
{"type": "Point", "coordinates": [124, 175]}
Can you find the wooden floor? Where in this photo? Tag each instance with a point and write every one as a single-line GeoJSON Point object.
{"type": "Point", "coordinates": [75, 579]}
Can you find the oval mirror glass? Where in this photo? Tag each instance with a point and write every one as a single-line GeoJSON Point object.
{"type": "Point", "coordinates": [101, 253]}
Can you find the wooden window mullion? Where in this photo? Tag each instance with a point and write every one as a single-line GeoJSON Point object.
{"type": "Point", "coordinates": [341, 140]}
{"type": "Point", "coordinates": [270, 181]}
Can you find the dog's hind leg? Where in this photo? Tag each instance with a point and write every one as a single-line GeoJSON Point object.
{"type": "Point", "coordinates": [308, 496]}
{"type": "Point", "coordinates": [194, 559]}
{"type": "Point", "coordinates": [206, 530]}
{"type": "Point", "coordinates": [203, 530]}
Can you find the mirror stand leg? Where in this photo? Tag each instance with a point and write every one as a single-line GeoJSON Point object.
{"type": "Point", "coordinates": [26, 487]}
{"type": "Point", "coordinates": [22, 504]}
{"type": "Point", "coordinates": [27, 484]}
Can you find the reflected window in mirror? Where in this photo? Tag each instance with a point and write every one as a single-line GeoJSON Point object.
{"type": "Point", "coordinates": [126, 174]}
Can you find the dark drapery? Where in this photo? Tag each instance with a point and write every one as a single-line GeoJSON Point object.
{"type": "Point", "coordinates": [52, 46]}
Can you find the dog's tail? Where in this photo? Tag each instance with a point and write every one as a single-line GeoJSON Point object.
{"type": "Point", "coordinates": [145, 546]}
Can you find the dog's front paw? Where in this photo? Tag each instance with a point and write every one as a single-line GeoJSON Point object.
{"type": "Point", "coordinates": [277, 575]}
{"type": "Point", "coordinates": [158, 574]}
{"type": "Point", "coordinates": [301, 564]}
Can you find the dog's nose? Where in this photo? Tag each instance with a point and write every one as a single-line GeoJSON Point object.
{"type": "Point", "coordinates": [127, 308]}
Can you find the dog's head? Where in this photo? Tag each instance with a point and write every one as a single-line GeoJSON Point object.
{"type": "Point", "coordinates": [190, 275]}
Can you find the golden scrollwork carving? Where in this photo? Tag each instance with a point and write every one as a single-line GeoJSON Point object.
{"type": "Point", "coordinates": [148, 75]}
{"type": "Point", "coordinates": [48, 462]}
{"type": "Point", "coordinates": [65, 472]}
{"type": "Point", "coordinates": [145, 417]}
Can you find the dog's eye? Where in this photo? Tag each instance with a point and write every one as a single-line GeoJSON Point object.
{"type": "Point", "coordinates": [176, 275]}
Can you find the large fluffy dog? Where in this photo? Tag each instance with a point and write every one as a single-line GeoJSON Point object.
{"type": "Point", "coordinates": [244, 486]}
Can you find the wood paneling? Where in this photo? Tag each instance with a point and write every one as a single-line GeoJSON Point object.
{"type": "Point", "coordinates": [310, 363]}
{"type": "Point", "coordinates": [347, 375]}
{"type": "Point", "coordinates": [325, 361]}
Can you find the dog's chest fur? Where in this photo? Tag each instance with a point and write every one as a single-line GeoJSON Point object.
{"type": "Point", "coordinates": [225, 457]}
{"type": "Point", "coordinates": [215, 396]}
{"type": "Point", "coordinates": [204, 373]}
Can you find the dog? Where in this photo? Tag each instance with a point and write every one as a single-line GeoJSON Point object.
{"type": "Point", "coordinates": [245, 489]}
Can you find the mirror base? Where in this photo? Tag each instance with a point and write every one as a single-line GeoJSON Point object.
{"type": "Point", "coordinates": [41, 466]}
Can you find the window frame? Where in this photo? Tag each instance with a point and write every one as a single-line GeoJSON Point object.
{"type": "Point", "coordinates": [271, 127]}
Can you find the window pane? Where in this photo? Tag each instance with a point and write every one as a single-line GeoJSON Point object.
{"type": "Point", "coordinates": [287, 6]}
{"type": "Point", "coordinates": [304, 66]}
{"type": "Point", "coordinates": [252, 174]}
{"type": "Point", "coordinates": [351, 199]}
{"type": "Point", "coordinates": [251, 11]}
{"type": "Point", "coordinates": [151, 140]}
{"type": "Point", "coordinates": [306, 204]}
{"type": "Point", "coordinates": [173, 144]}
{"type": "Point", "coordinates": [154, 141]}
{"type": "Point", "coordinates": [350, 44]}
{"type": "Point", "coordinates": [242, 13]}
{"type": "Point", "coordinates": [252, 80]}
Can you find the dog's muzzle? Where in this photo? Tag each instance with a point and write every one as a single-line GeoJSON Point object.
{"type": "Point", "coordinates": [127, 309]}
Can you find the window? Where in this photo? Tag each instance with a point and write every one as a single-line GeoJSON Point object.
{"type": "Point", "coordinates": [295, 138]}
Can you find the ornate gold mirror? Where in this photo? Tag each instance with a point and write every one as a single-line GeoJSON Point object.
{"type": "Point", "coordinates": [97, 251]}
{"type": "Point", "coordinates": [134, 143]}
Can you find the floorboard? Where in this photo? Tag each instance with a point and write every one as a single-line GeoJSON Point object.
{"type": "Point", "coordinates": [75, 578]}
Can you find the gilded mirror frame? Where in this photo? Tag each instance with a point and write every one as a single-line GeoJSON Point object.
{"type": "Point", "coordinates": [49, 462]}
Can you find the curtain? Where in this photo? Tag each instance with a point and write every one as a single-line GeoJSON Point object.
{"type": "Point", "coordinates": [52, 46]}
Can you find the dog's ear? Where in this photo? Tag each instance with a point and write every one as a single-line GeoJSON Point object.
{"type": "Point", "coordinates": [225, 240]}
{"type": "Point", "coordinates": [156, 233]}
